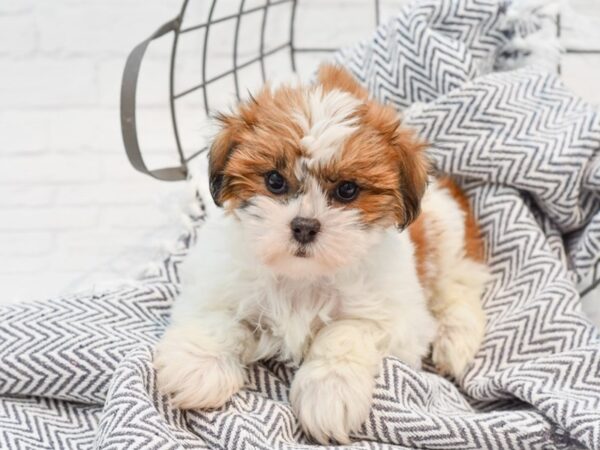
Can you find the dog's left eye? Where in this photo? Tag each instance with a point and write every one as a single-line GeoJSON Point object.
{"type": "Point", "coordinates": [346, 191]}
{"type": "Point", "coordinates": [276, 183]}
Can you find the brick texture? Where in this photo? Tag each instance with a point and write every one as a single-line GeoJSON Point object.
{"type": "Point", "coordinates": [72, 210]}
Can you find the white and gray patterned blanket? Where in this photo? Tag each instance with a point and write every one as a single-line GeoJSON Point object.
{"type": "Point", "coordinates": [76, 372]}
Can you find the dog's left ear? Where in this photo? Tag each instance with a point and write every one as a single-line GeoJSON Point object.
{"type": "Point", "coordinates": [408, 155]}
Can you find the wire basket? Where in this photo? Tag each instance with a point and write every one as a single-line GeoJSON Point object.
{"type": "Point", "coordinates": [289, 48]}
{"type": "Point", "coordinates": [259, 57]}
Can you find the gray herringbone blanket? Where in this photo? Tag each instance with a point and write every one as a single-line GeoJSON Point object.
{"type": "Point", "coordinates": [76, 372]}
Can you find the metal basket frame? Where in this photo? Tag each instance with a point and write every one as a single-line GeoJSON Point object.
{"type": "Point", "coordinates": [134, 61]}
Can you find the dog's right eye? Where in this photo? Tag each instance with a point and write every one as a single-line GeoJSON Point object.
{"type": "Point", "coordinates": [276, 183]}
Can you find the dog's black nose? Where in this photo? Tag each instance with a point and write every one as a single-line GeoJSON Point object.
{"type": "Point", "coordinates": [305, 230]}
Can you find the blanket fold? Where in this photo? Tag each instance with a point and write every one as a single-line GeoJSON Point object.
{"type": "Point", "coordinates": [76, 372]}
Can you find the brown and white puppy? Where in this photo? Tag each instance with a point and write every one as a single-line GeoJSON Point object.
{"type": "Point", "coordinates": [321, 256]}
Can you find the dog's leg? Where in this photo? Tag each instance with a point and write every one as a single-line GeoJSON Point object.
{"type": "Point", "coordinates": [331, 392]}
{"type": "Point", "coordinates": [200, 362]}
{"type": "Point", "coordinates": [456, 304]}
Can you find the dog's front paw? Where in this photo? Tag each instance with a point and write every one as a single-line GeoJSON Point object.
{"type": "Point", "coordinates": [194, 372]}
{"type": "Point", "coordinates": [331, 401]}
{"type": "Point", "coordinates": [459, 337]}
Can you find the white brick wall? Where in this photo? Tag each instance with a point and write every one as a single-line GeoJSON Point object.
{"type": "Point", "coordinates": [72, 210]}
{"type": "Point", "coordinates": [70, 204]}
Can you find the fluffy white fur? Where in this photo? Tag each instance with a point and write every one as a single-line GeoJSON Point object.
{"type": "Point", "coordinates": [456, 295]}
{"type": "Point", "coordinates": [236, 309]}
{"type": "Point", "coordinates": [342, 239]}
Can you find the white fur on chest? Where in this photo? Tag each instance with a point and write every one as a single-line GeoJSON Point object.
{"type": "Point", "coordinates": [222, 279]}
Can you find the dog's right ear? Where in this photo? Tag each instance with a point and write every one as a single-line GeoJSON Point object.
{"type": "Point", "coordinates": [232, 128]}
{"type": "Point", "coordinates": [223, 145]}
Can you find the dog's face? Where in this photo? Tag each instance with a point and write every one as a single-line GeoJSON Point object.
{"type": "Point", "coordinates": [316, 173]}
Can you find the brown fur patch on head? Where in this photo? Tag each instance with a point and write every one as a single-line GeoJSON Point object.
{"type": "Point", "coordinates": [389, 165]}
{"type": "Point", "coordinates": [260, 137]}
{"type": "Point", "coordinates": [384, 159]}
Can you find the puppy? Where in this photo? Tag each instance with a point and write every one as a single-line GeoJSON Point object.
{"type": "Point", "coordinates": [320, 257]}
